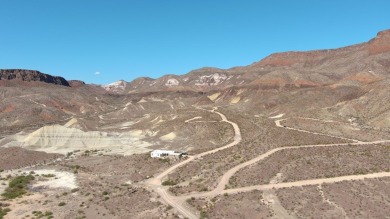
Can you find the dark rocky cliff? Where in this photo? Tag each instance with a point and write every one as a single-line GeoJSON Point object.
{"type": "Point", "coordinates": [31, 75]}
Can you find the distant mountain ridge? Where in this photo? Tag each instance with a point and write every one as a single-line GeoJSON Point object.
{"type": "Point", "coordinates": [31, 75]}
{"type": "Point", "coordinates": [362, 63]}
{"type": "Point", "coordinates": [338, 82]}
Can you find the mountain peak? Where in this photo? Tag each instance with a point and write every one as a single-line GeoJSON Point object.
{"type": "Point", "coordinates": [384, 33]}
{"type": "Point", "coordinates": [380, 44]}
{"type": "Point", "coordinates": [117, 87]}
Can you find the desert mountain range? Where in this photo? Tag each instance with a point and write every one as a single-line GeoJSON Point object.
{"type": "Point", "coordinates": [343, 81]}
{"type": "Point", "coordinates": [294, 135]}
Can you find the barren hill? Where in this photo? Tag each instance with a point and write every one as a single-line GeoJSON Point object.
{"type": "Point", "coordinates": [365, 62]}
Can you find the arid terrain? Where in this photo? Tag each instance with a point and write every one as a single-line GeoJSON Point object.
{"type": "Point", "coordinates": [295, 135]}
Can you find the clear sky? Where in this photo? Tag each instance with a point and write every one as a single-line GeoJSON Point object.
{"type": "Point", "coordinates": [103, 41]}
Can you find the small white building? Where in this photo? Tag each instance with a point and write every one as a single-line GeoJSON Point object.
{"type": "Point", "coordinates": [165, 153]}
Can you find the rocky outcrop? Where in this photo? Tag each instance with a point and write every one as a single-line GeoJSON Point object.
{"type": "Point", "coordinates": [76, 83]}
{"type": "Point", "coordinates": [380, 44]}
{"type": "Point", "coordinates": [291, 58]}
{"type": "Point", "coordinates": [116, 87]}
{"type": "Point", "coordinates": [31, 75]}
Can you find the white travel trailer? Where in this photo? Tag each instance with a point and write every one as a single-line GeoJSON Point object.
{"type": "Point", "coordinates": [165, 153]}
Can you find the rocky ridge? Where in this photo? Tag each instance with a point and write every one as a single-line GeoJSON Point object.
{"type": "Point", "coordinates": [31, 75]}
{"type": "Point", "coordinates": [362, 63]}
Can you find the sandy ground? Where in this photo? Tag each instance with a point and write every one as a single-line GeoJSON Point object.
{"type": "Point", "coordinates": [213, 97]}
{"type": "Point", "coordinates": [3, 185]}
{"type": "Point", "coordinates": [195, 118]}
{"type": "Point", "coordinates": [62, 179]}
{"type": "Point", "coordinates": [168, 137]}
{"type": "Point", "coordinates": [272, 201]}
{"type": "Point", "coordinates": [235, 100]}
{"type": "Point", "coordinates": [277, 116]}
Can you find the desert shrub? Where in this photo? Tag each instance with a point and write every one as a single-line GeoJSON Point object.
{"type": "Point", "coordinates": [3, 212]}
{"type": "Point", "coordinates": [50, 175]}
{"type": "Point", "coordinates": [17, 187]}
{"type": "Point", "coordinates": [61, 204]}
{"type": "Point", "coordinates": [169, 207]}
{"type": "Point", "coordinates": [40, 214]}
{"type": "Point", "coordinates": [203, 215]}
{"type": "Point", "coordinates": [168, 183]}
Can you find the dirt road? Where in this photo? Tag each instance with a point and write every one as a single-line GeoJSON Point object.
{"type": "Point", "coordinates": [178, 202]}
{"type": "Point", "coordinates": [308, 182]}
{"type": "Point", "coordinates": [225, 178]}
{"type": "Point", "coordinates": [277, 123]}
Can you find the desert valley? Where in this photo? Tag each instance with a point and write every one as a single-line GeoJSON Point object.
{"type": "Point", "coordinates": [294, 135]}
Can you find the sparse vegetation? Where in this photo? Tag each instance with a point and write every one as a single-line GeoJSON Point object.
{"type": "Point", "coordinates": [50, 175]}
{"type": "Point", "coordinates": [203, 215]}
{"type": "Point", "coordinates": [17, 187]}
{"type": "Point", "coordinates": [310, 163]}
{"type": "Point", "coordinates": [168, 183]}
{"type": "Point", "coordinates": [3, 212]}
{"type": "Point", "coordinates": [111, 180]}
{"type": "Point", "coordinates": [40, 214]}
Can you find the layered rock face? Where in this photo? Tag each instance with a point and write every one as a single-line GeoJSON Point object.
{"type": "Point", "coordinates": [31, 75]}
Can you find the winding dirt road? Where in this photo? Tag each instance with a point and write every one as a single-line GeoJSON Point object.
{"type": "Point", "coordinates": [308, 182]}
{"type": "Point", "coordinates": [179, 202]}
{"type": "Point", "coordinates": [277, 123]}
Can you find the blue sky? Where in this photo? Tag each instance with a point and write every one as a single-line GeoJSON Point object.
{"type": "Point", "coordinates": [128, 39]}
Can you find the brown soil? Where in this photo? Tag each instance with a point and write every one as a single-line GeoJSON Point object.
{"type": "Point", "coordinates": [354, 199]}
{"type": "Point", "coordinates": [244, 205]}
{"type": "Point", "coordinates": [312, 163]}
{"type": "Point", "coordinates": [15, 157]}
{"type": "Point", "coordinates": [259, 135]}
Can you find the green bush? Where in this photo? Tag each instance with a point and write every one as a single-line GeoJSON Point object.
{"type": "Point", "coordinates": [40, 214]}
{"type": "Point", "coordinates": [203, 215]}
{"type": "Point", "coordinates": [50, 175]}
{"type": "Point", "coordinates": [61, 204]}
{"type": "Point", "coordinates": [3, 212]}
{"type": "Point", "coordinates": [169, 183]}
{"type": "Point", "coordinates": [17, 187]}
